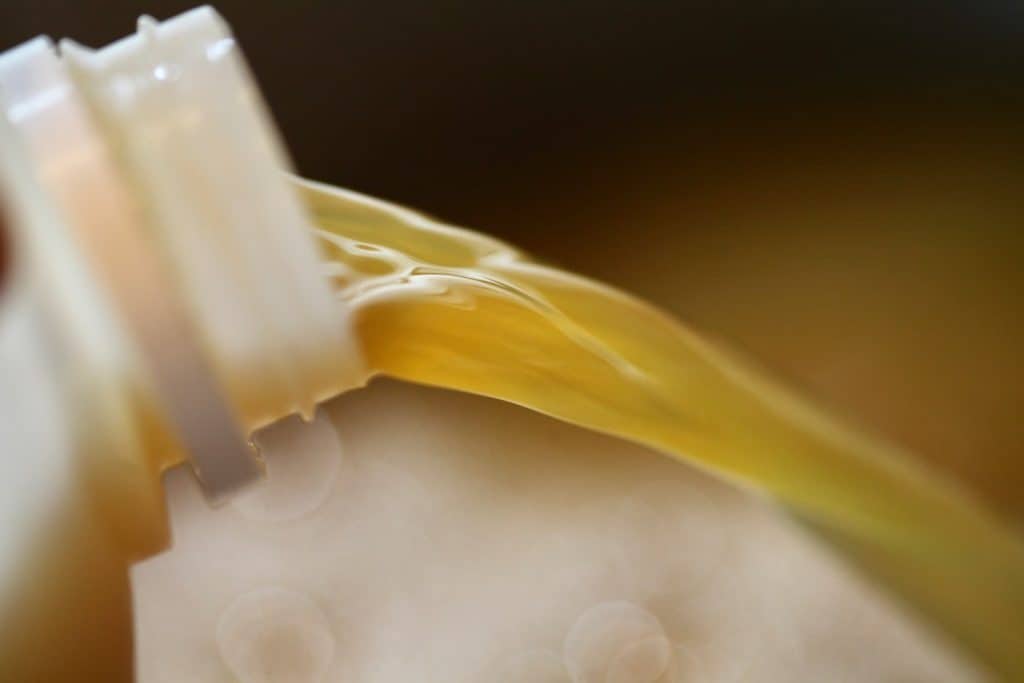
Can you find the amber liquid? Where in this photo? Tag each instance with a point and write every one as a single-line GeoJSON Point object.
{"type": "Point", "coordinates": [452, 308]}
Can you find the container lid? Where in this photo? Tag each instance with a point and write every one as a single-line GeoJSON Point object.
{"type": "Point", "coordinates": [163, 159]}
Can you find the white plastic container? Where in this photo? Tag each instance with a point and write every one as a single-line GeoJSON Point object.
{"type": "Point", "coordinates": [164, 303]}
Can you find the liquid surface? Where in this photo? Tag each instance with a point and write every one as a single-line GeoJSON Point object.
{"type": "Point", "coordinates": [443, 306]}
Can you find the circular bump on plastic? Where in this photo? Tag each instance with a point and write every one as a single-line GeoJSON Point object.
{"type": "Point", "coordinates": [647, 660]}
{"type": "Point", "coordinates": [531, 666]}
{"type": "Point", "coordinates": [275, 635]}
{"type": "Point", "coordinates": [617, 642]}
{"type": "Point", "coordinates": [687, 667]}
{"type": "Point", "coordinates": [672, 537]}
{"type": "Point", "coordinates": [5, 248]}
{"type": "Point", "coordinates": [302, 460]}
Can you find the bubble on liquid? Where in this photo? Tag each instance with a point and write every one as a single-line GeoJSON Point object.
{"type": "Point", "coordinates": [275, 635]}
{"type": "Point", "coordinates": [618, 642]}
{"type": "Point", "coordinates": [303, 460]}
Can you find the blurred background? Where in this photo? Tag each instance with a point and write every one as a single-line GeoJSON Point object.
{"type": "Point", "coordinates": [831, 188]}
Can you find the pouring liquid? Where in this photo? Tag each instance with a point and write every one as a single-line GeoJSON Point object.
{"type": "Point", "coordinates": [447, 307]}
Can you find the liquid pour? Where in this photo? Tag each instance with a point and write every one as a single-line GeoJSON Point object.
{"type": "Point", "coordinates": [448, 307]}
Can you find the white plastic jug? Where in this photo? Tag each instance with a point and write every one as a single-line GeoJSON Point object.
{"type": "Point", "coordinates": [163, 305]}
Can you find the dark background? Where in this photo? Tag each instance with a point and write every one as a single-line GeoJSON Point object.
{"type": "Point", "coordinates": [435, 102]}
{"type": "Point", "coordinates": [831, 187]}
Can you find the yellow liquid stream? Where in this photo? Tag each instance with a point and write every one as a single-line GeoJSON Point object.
{"type": "Point", "coordinates": [452, 308]}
